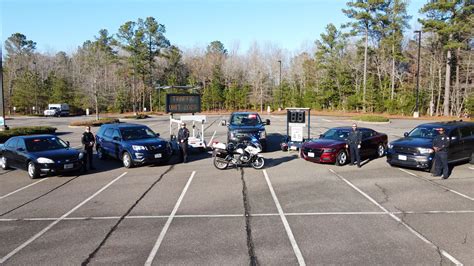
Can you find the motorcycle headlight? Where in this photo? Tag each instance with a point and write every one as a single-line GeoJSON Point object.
{"type": "Point", "coordinates": [138, 148]}
{"type": "Point", "coordinates": [44, 160]}
{"type": "Point", "coordinates": [81, 156]}
{"type": "Point", "coordinates": [263, 134]}
{"type": "Point", "coordinates": [425, 150]}
{"type": "Point", "coordinates": [390, 146]}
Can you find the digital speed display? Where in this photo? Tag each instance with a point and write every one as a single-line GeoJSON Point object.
{"type": "Point", "coordinates": [296, 116]}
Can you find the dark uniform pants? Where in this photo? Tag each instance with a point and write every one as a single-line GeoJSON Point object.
{"type": "Point", "coordinates": [441, 164]}
{"type": "Point", "coordinates": [88, 158]}
{"type": "Point", "coordinates": [355, 155]}
{"type": "Point", "coordinates": [184, 151]}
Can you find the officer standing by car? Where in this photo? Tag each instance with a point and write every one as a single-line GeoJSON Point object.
{"type": "Point", "coordinates": [88, 140]}
{"type": "Point", "coordinates": [354, 139]}
{"type": "Point", "coordinates": [440, 146]}
{"type": "Point", "coordinates": [183, 135]}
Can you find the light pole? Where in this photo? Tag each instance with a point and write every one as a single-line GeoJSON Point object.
{"type": "Point", "coordinates": [279, 84]}
{"type": "Point", "coordinates": [416, 114]}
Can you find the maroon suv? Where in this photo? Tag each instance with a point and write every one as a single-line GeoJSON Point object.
{"type": "Point", "coordinates": [331, 146]}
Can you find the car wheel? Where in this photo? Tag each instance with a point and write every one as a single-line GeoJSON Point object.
{"type": "Point", "coordinates": [381, 150]}
{"type": "Point", "coordinates": [101, 154]}
{"type": "Point", "coordinates": [4, 163]}
{"type": "Point", "coordinates": [341, 158]}
{"type": "Point", "coordinates": [33, 171]}
{"type": "Point", "coordinates": [127, 160]}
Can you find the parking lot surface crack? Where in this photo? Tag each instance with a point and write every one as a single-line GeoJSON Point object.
{"type": "Point", "coordinates": [384, 192]}
{"type": "Point", "coordinates": [40, 196]}
{"type": "Point", "coordinates": [112, 230]}
{"type": "Point", "coordinates": [248, 228]}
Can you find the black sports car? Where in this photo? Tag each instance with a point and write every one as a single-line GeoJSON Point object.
{"type": "Point", "coordinates": [40, 154]}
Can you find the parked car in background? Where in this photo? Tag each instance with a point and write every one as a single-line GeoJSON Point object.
{"type": "Point", "coordinates": [40, 154]}
{"type": "Point", "coordinates": [133, 144]}
{"type": "Point", "coordinates": [57, 109]}
{"type": "Point", "coordinates": [331, 146]}
{"type": "Point", "coordinates": [243, 125]}
{"type": "Point", "coordinates": [415, 149]}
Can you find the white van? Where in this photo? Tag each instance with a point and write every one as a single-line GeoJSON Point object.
{"type": "Point", "coordinates": [57, 109]}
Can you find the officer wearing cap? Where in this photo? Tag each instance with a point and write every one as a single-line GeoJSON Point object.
{"type": "Point", "coordinates": [354, 140]}
{"type": "Point", "coordinates": [440, 146]}
{"type": "Point", "coordinates": [183, 135]}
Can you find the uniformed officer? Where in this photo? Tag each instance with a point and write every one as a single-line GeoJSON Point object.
{"type": "Point", "coordinates": [183, 135]}
{"type": "Point", "coordinates": [88, 140]}
{"type": "Point", "coordinates": [354, 140]}
{"type": "Point", "coordinates": [440, 146]}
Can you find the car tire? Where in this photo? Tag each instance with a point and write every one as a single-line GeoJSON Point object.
{"type": "Point", "coordinates": [4, 163]}
{"type": "Point", "coordinates": [341, 158]}
{"type": "Point", "coordinates": [100, 154]}
{"type": "Point", "coordinates": [380, 150]}
{"type": "Point", "coordinates": [472, 158]}
{"type": "Point", "coordinates": [127, 160]}
{"type": "Point", "coordinates": [33, 171]}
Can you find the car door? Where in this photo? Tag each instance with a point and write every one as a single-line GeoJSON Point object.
{"type": "Point", "coordinates": [467, 140]}
{"type": "Point", "coordinates": [456, 149]}
{"type": "Point", "coordinates": [116, 144]}
{"type": "Point", "coordinates": [107, 143]}
{"type": "Point", "coordinates": [21, 154]}
{"type": "Point", "coordinates": [9, 152]}
{"type": "Point", "coordinates": [367, 146]}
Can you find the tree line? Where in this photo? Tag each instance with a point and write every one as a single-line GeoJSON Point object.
{"type": "Point", "coordinates": [368, 65]}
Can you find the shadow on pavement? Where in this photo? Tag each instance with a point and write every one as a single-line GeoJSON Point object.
{"type": "Point", "coordinates": [270, 162]}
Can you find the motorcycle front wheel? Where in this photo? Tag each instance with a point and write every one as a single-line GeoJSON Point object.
{"type": "Point", "coordinates": [258, 163]}
{"type": "Point", "coordinates": [220, 163]}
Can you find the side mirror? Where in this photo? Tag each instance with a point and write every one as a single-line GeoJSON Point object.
{"type": "Point", "coordinates": [223, 123]}
{"type": "Point", "coordinates": [117, 139]}
{"type": "Point", "coordinates": [267, 122]}
{"type": "Point", "coordinates": [68, 144]}
{"type": "Point", "coordinates": [172, 137]}
{"type": "Point", "coordinates": [321, 136]}
{"type": "Point", "coordinates": [158, 135]}
{"type": "Point", "coordinates": [405, 134]}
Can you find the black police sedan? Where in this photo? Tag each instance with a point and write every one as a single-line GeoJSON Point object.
{"type": "Point", "coordinates": [415, 150]}
{"type": "Point", "coordinates": [40, 154]}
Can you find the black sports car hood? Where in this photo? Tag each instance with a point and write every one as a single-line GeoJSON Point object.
{"type": "Point", "coordinates": [413, 142]}
{"type": "Point", "coordinates": [57, 155]}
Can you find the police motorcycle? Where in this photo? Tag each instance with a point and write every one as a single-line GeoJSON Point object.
{"type": "Point", "coordinates": [245, 153]}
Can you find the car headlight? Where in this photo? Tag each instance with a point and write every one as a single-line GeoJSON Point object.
{"type": "Point", "coordinates": [44, 160]}
{"type": "Point", "coordinates": [138, 148]}
{"type": "Point", "coordinates": [425, 150]}
{"type": "Point", "coordinates": [81, 156]}
{"type": "Point", "coordinates": [329, 150]}
{"type": "Point", "coordinates": [263, 134]}
{"type": "Point", "coordinates": [390, 145]}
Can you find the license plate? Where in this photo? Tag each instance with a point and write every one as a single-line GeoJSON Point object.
{"type": "Point", "coordinates": [68, 166]}
{"type": "Point", "coordinates": [158, 155]}
{"type": "Point", "coordinates": [311, 154]}
{"type": "Point", "coordinates": [402, 157]}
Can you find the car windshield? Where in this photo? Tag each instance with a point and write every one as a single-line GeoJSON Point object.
{"type": "Point", "coordinates": [245, 120]}
{"type": "Point", "coordinates": [337, 134]}
{"type": "Point", "coordinates": [137, 133]}
{"type": "Point", "coordinates": [424, 132]}
{"type": "Point", "coordinates": [44, 144]}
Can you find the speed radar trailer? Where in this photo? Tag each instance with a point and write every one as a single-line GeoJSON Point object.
{"type": "Point", "coordinates": [295, 124]}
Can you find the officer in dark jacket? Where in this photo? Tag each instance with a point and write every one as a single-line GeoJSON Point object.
{"type": "Point", "coordinates": [353, 142]}
{"type": "Point", "coordinates": [440, 146]}
{"type": "Point", "coordinates": [183, 135]}
{"type": "Point", "coordinates": [88, 141]}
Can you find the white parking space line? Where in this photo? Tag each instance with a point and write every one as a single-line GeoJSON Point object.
{"type": "Point", "coordinates": [437, 184]}
{"type": "Point", "coordinates": [25, 187]}
{"type": "Point", "coordinates": [29, 241]}
{"type": "Point", "coordinates": [472, 168]}
{"type": "Point", "coordinates": [213, 135]}
{"type": "Point", "coordinates": [326, 120]}
{"type": "Point", "coordinates": [296, 249]}
{"type": "Point", "coordinates": [411, 229]}
{"type": "Point", "coordinates": [77, 146]}
{"type": "Point", "coordinates": [158, 242]}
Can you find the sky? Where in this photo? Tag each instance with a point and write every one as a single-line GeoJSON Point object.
{"type": "Point", "coordinates": [292, 25]}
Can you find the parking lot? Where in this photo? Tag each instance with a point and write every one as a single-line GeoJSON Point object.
{"type": "Point", "coordinates": [291, 212]}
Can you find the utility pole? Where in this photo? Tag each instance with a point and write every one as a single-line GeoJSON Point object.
{"type": "Point", "coordinates": [279, 84]}
{"type": "Point", "coordinates": [416, 114]}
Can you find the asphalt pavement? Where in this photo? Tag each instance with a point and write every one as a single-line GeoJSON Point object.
{"type": "Point", "coordinates": [291, 212]}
